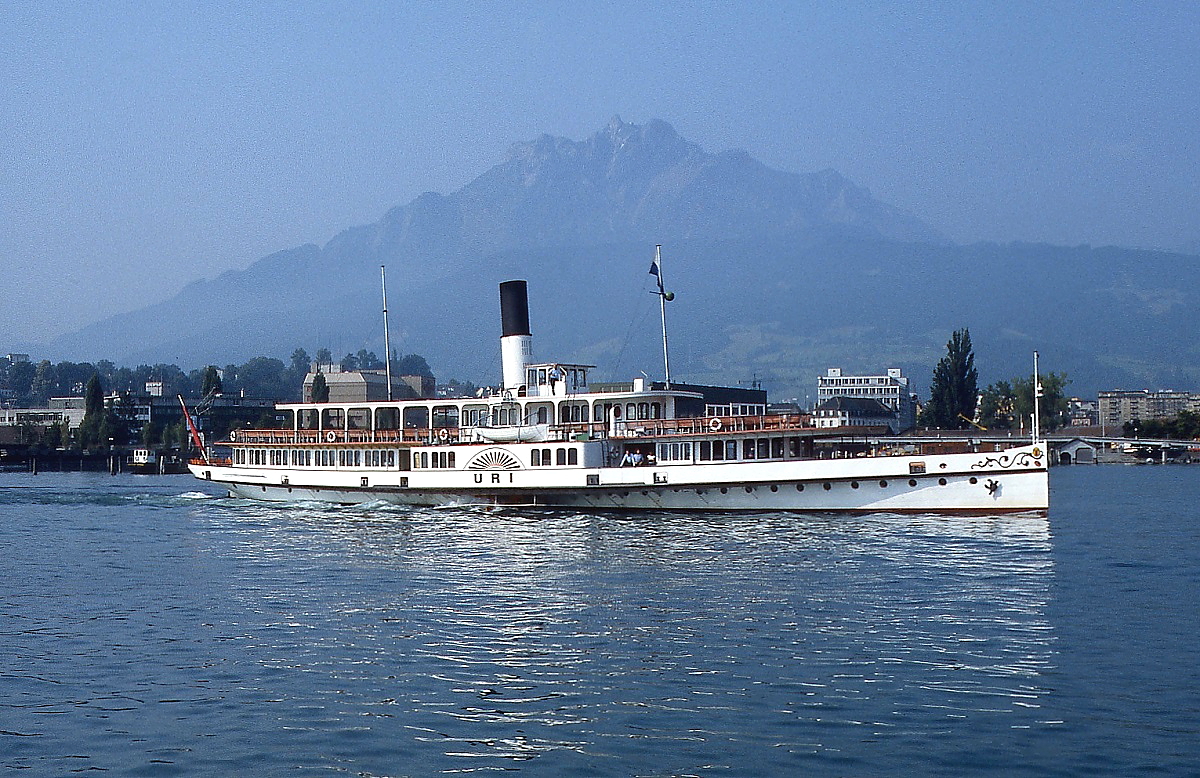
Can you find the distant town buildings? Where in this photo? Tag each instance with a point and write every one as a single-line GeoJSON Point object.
{"type": "Point", "coordinates": [890, 390]}
{"type": "Point", "coordinates": [1084, 413]}
{"type": "Point", "coordinates": [1121, 406]}
{"type": "Point", "coordinates": [346, 386]}
{"type": "Point", "coordinates": [853, 412]}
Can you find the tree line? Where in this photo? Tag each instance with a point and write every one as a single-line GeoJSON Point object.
{"type": "Point", "coordinates": [956, 403]}
{"type": "Point", "coordinates": [1185, 426]}
{"type": "Point", "coordinates": [32, 384]}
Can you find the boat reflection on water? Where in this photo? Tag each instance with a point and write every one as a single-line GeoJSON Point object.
{"type": "Point", "coordinates": [577, 631]}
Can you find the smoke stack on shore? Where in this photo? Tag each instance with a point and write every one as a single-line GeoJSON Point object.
{"type": "Point", "coordinates": [516, 342]}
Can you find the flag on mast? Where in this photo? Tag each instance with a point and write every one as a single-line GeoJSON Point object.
{"type": "Point", "coordinates": [656, 271]}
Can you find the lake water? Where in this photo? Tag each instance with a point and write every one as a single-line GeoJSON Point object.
{"type": "Point", "coordinates": [151, 626]}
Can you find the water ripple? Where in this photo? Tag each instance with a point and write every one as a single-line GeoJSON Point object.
{"type": "Point", "coordinates": [155, 628]}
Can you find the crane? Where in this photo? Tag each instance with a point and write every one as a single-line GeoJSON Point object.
{"type": "Point", "coordinates": [972, 422]}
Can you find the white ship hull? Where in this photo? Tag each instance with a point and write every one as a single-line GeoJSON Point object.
{"type": "Point", "coordinates": [1014, 480]}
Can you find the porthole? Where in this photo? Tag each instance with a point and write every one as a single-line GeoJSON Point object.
{"type": "Point", "coordinates": [749, 489]}
{"type": "Point", "coordinates": [645, 493]}
{"type": "Point", "coordinates": [883, 484]}
{"type": "Point", "coordinates": [724, 490]}
{"type": "Point", "coordinates": [828, 486]}
{"type": "Point", "coordinates": [774, 488]}
{"type": "Point", "coordinates": [974, 480]}
{"type": "Point", "coordinates": [799, 487]}
{"type": "Point", "coordinates": [699, 491]}
{"type": "Point", "coordinates": [854, 484]}
{"type": "Point", "coordinates": [941, 482]}
{"type": "Point", "coordinates": [912, 482]}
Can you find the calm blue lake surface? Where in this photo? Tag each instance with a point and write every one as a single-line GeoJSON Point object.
{"type": "Point", "coordinates": [151, 626]}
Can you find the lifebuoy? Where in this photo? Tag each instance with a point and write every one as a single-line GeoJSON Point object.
{"type": "Point", "coordinates": [714, 424]}
{"type": "Point", "coordinates": [331, 436]}
{"type": "Point", "coordinates": [443, 434]}
{"type": "Point", "coordinates": [233, 435]}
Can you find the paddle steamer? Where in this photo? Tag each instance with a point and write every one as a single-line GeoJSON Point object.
{"type": "Point", "coordinates": [548, 437]}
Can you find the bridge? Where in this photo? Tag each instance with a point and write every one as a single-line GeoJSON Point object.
{"type": "Point", "coordinates": [1077, 447]}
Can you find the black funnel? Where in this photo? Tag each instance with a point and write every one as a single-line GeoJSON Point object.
{"type": "Point", "coordinates": [514, 308]}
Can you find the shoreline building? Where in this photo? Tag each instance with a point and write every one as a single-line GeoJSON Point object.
{"type": "Point", "coordinates": [890, 390]}
{"type": "Point", "coordinates": [1119, 406]}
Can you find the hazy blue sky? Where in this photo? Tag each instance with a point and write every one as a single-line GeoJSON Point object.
{"type": "Point", "coordinates": [149, 144]}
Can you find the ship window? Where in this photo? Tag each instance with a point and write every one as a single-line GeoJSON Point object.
{"type": "Point", "coordinates": [764, 448]}
{"type": "Point", "coordinates": [357, 458]}
{"type": "Point", "coordinates": [307, 419]}
{"type": "Point", "coordinates": [655, 410]}
{"type": "Point", "coordinates": [630, 411]}
{"type": "Point", "coordinates": [793, 447]}
{"type": "Point", "coordinates": [359, 419]}
{"type": "Point", "coordinates": [560, 456]}
{"type": "Point", "coordinates": [387, 418]}
{"type": "Point", "coordinates": [705, 451]}
{"type": "Point", "coordinates": [731, 449]}
{"type": "Point", "coordinates": [572, 456]}
{"type": "Point", "coordinates": [332, 419]}
{"type": "Point", "coordinates": [616, 410]}
{"type": "Point", "coordinates": [748, 449]}
{"type": "Point", "coordinates": [777, 448]}
{"type": "Point", "coordinates": [445, 416]}
{"type": "Point", "coordinates": [643, 410]}
{"type": "Point", "coordinates": [416, 418]}
{"type": "Point", "coordinates": [598, 412]}
{"type": "Point", "coordinates": [450, 460]}
{"type": "Point", "coordinates": [535, 458]}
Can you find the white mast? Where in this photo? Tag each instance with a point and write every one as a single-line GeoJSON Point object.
{"type": "Point", "coordinates": [387, 341]}
{"type": "Point", "coordinates": [663, 297]}
{"type": "Point", "coordinates": [1037, 393]}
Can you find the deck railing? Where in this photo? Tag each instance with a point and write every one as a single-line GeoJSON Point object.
{"type": "Point", "coordinates": [709, 425]}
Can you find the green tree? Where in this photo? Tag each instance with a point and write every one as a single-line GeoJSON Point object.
{"type": "Point", "coordinates": [320, 388]}
{"type": "Point", "coordinates": [263, 377]}
{"type": "Point", "coordinates": [93, 412]}
{"type": "Point", "coordinates": [411, 364]}
{"type": "Point", "coordinates": [1054, 408]}
{"type": "Point", "coordinates": [324, 356]}
{"type": "Point", "coordinates": [955, 385]}
{"type": "Point", "coordinates": [997, 406]}
{"type": "Point", "coordinates": [44, 382]}
{"type": "Point", "coordinates": [212, 382]}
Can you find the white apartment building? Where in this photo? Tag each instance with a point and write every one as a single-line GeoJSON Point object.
{"type": "Point", "coordinates": [891, 390]}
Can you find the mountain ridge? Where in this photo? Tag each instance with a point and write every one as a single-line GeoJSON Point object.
{"type": "Point", "coordinates": [775, 267]}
